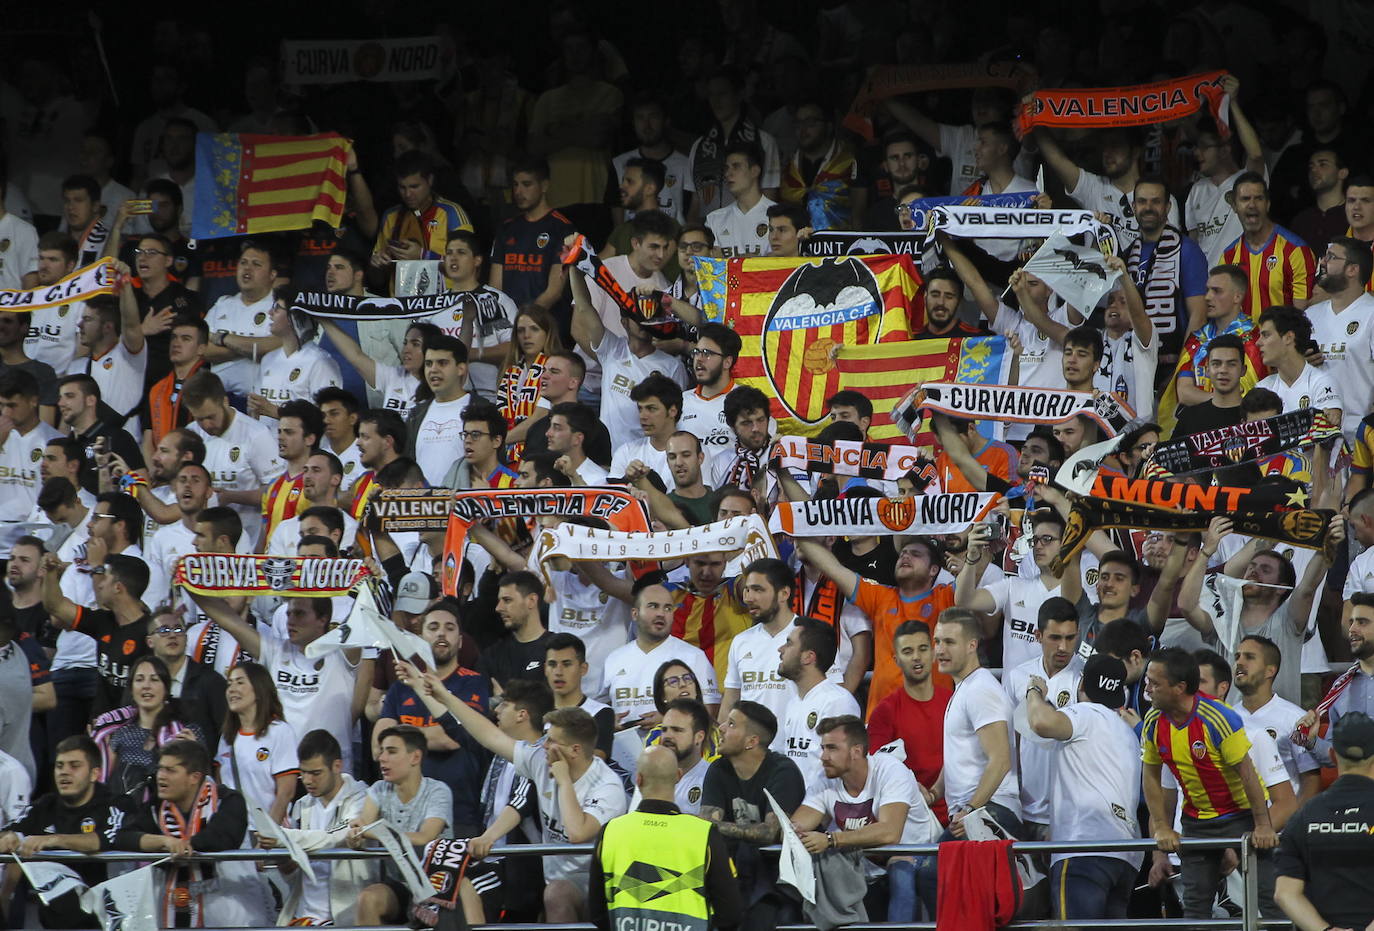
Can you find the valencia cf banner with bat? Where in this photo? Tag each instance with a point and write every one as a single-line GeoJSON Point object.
{"type": "Point", "coordinates": [222, 574]}
{"type": "Point", "coordinates": [1240, 443]}
{"type": "Point", "coordinates": [400, 510]}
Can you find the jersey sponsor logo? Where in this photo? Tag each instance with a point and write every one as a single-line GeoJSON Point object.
{"type": "Point", "coordinates": [770, 678]}
{"type": "Point", "coordinates": [298, 682]}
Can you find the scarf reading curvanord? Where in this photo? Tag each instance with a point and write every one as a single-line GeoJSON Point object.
{"type": "Point", "coordinates": [1240, 443]}
{"type": "Point", "coordinates": [926, 515]}
{"type": "Point", "coordinates": [613, 505]}
{"type": "Point", "coordinates": [1305, 528]}
{"type": "Point", "coordinates": [1009, 404]}
{"type": "Point", "coordinates": [1137, 105]}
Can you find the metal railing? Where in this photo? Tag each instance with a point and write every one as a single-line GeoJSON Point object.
{"type": "Point", "coordinates": [1249, 920]}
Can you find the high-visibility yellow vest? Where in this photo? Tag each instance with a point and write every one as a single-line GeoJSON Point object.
{"type": "Point", "coordinates": [655, 866]}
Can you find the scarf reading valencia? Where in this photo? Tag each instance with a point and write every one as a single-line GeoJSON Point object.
{"type": "Point", "coordinates": [1306, 528]}
{"type": "Point", "coordinates": [184, 896]}
{"type": "Point", "coordinates": [845, 457]}
{"type": "Point", "coordinates": [1240, 443]}
{"type": "Point", "coordinates": [1138, 105]}
{"type": "Point", "coordinates": [895, 80]}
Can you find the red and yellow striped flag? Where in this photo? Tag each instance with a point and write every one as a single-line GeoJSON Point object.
{"type": "Point", "coordinates": [248, 183]}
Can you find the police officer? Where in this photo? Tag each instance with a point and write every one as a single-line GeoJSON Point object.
{"type": "Point", "coordinates": [658, 868]}
{"type": "Point", "coordinates": [1328, 845]}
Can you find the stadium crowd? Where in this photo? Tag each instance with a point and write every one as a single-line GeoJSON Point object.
{"type": "Point", "coordinates": [883, 689]}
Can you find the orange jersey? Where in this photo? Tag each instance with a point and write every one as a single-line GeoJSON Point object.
{"type": "Point", "coordinates": [1281, 272]}
{"type": "Point", "coordinates": [997, 457]}
{"type": "Point", "coordinates": [888, 608]}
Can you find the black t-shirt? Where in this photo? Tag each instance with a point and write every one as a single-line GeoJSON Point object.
{"type": "Point", "coordinates": [526, 251]}
{"type": "Point", "coordinates": [878, 564]}
{"type": "Point", "coordinates": [186, 259]}
{"type": "Point", "coordinates": [118, 646]}
{"type": "Point", "coordinates": [180, 301]}
{"type": "Point", "coordinates": [597, 446]}
{"type": "Point", "coordinates": [42, 373]}
{"type": "Point", "coordinates": [508, 659]}
{"type": "Point", "coordinates": [51, 815]}
{"type": "Point", "coordinates": [118, 441]}
{"type": "Point", "coordinates": [743, 802]}
{"type": "Point", "coordinates": [1328, 845]}
{"type": "Point", "coordinates": [1196, 418]}
{"type": "Point", "coordinates": [33, 621]}
{"type": "Point", "coordinates": [605, 729]}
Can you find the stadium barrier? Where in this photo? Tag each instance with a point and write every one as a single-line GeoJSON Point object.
{"type": "Point", "coordinates": [1249, 920]}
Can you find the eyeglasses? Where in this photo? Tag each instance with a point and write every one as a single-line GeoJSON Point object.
{"type": "Point", "coordinates": [150, 252]}
{"type": "Point", "coordinates": [473, 434]}
{"type": "Point", "coordinates": [98, 570]}
{"type": "Point", "coordinates": [694, 246]}
{"type": "Point", "coordinates": [705, 353]}
{"type": "Point", "coordinates": [1043, 540]}
{"type": "Point", "coordinates": [99, 514]}
{"type": "Point", "coordinates": [167, 631]}
{"type": "Point", "coordinates": [686, 678]}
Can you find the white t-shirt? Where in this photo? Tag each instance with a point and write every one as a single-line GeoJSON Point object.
{"type": "Point", "coordinates": [494, 325]}
{"type": "Point", "coordinates": [243, 457]}
{"type": "Point", "coordinates": [1347, 341]}
{"type": "Point", "coordinates": [601, 622]}
{"type": "Point", "coordinates": [643, 450]}
{"type": "Point", "coordinates": [704, 418]}
{"type": "Point", "coordinates": [629, 685]}
{"type": "Point", "coordinates": [1312, 388]}
{"type": "Point", "coordinates": [19, 477]}
{"type": "Point", "coordinates": [232, 315]}
{"type": "Point", "coordinates": [1128, 370]}
{"type": "Point", "coordinates": [797, 726]}
{"type": "Point", "coordinates": [888, 782]}
{"type": "Point", "coordinates": [956, 144]}
{"type": "Point", "coordinates": [675, 172]}
{"type": "Point", "coordinates": [397, 388]}
{"type": "Point", "coordinates": [1212, 222]}
{"type": "Point", "coordinates": [21, 257]}
{"type": "Point", "coordinates": [119, 373]}
{"type": "Point", "coordinates": [687, 792]}
{"type": "Point", "coordinates": [1018, 600]}
{"type": "Point", "coordinates": [752, 668]}
{"type": "Point", "coordinates": [1277, 717]}
{"type": "Point", "coordinates": [978, 701]}
{"type": "Point", "coordinates": [622, 370]}
{"type": "Point", "coordinates": [740, 234]}
{"type": "Point", "coordinates": [350, 457]}
{"type": "Point", "coordinates": [1361, 575]}
{"type": "Point", "coordinates": [438, 444]}
{"type": "Point", "coordinates": [599, 792]}
{"type": "Point", "coordinates": [1036, 760]}
{"type": "Point", "coordinates": [260, 761]}
{"type": "Point", "coordinates": [16, 788]}
{"type": "Point", "coordinates": [313, 696]}
{"type": "Point", "coordinates": [1096, 192]}
{"type": "Point", "coordinates": [283, 377]}
{"type": "Point", "coordinates": [1095, 786]}
{"type": "Point", "coordinates": [53, 335]}
{"type": "Point", "coordinates": [1042, 359]}
{"type": "Point", "coordinates": [592, 473]}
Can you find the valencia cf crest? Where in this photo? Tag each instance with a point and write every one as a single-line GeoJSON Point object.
{"type": "Point", "coordinates": [1092, 575]}
{"type": "Point", "coordinates": [821, 306]}
{"type": "Point", "coordinates": [87, 825]}
{"type": "Point", "coordinates": [1061, 699]}
{"type": "Point", "coordinates": [259, 319]}
{"type": "Point", "coordinates": [1352, 328]}
{"type": "Point", "coordinates": [694, 794]}
{"type": "Point", "coordinates": [263, 754]}
{"type": "Point", "coordinates": [1199, 749]}
{"type": "Point", "coordinates": [811, 721]}
{"type": "Point", "coordinates": [1305, 401]}
{"type": "Point", "coordinates": [62, 311]}
{"type": "Point", "coordinates": [35, 455]}
{"type": "Point", "coordinates": [761, 230]}
{"type": "Point", "coordinates": [542, 240]}
{"type": "Point", "coordinates": [1271, 263]}
{"type": "Point", "coordinates": [234, 454]}
{"type": "Point", "coordinates": [295, 373]}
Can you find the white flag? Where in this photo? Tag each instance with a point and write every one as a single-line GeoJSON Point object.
{"type": "Point", "coordinates": [265, 826]}
{"type": "Point", "coordinates": [51, 880]}
{"type": "Point", "coordinates": [125, 903]}
{"type": "Point", "coordinates": [1079, 471]}
{"type": "Point", "coordinates": [1078, 274]}
{"type": "Point", "coordinates": [795, 866]}
{"type": "Point", "coordinates": [398, 847]}
{"type": "Point", "coordinates": [366, 627]}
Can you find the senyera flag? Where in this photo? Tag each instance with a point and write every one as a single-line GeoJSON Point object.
{"type": "Point", "coordinates": [248, 183]}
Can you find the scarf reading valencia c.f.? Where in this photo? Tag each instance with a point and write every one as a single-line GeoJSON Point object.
{"type": "Point", "coordinates": [1240, 443]}
{"type": "Point", "coordinates": [613, 505]}
{"type": "Point", "coordinates": [1306, 528]}
{"type": "Point", "coordinates": [1137, 105]}
{"type": "Point", "coordinates": [845, 457]}
{"type": "Point", "coordinates": [887, 81]}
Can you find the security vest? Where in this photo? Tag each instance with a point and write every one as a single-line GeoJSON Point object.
{"type": "Point", "coordinates": [655, 866]}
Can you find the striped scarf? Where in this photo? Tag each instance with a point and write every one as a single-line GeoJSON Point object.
{"type": "Point", "coordinates": [187, 884]}
{"type": "Point", "coordinates": [1300, 733]}
{"type": "Point", "coordinates": [518, 394]}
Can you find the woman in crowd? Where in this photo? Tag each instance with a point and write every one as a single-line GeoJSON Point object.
{"type": "Point", "coordinates": [400, 385]}
{"type": "Point", "coordinates": [517, 390]}
{"type": "Point", "coordinates": [257, 752]}
{"type": "Point", "coordinates": [154, 718]}
{"type": "Point", "coordinates": [674, 680]}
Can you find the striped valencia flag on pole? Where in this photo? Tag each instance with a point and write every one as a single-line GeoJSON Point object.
{"type": "Point", "coordinates": [248, 183]}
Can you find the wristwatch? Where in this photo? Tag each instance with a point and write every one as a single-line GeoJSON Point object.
{"type": "Point", "coordinates": [220, 336]}
{"type": "Point", "coordinates": [1035, 688]}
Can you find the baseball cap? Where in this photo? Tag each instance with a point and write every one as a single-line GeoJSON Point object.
{"type": "Point", "coordinates": [414, 593]}
{"type": "Point", "coordinates": [1353, 736]}
{"type": "Point", "coordinates": [1104, 680]}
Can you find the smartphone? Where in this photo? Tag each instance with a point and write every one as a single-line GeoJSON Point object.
{"type": "Point", "coordinates": [139, 208]}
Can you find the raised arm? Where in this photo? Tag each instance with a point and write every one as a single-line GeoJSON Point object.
{"type": "Point", "coordinates": [587, 328]}
{"type": "Point", "coordinates": [1063, 166]}
{"type": "Point", "coordinates": [348, 348]}
{"type": "Point", "coordinates": [61, 610]}
{"type": "Point", "coordinates": [973, 471]}
{"type": "Point", "coordinates": [1190, 593]}
{"type": "Point", "coordinates": [130, 326]}
{"type": "Point", "coordinates": [1241, 126]}
{"type": "Point", "coordinates": [486, 733]}
{"type": "Point", "coordinates": [845, 579]}
{"type": "Point", "coordinates": [914, 120]}
{"type": "Point", "coordinates": [1300, 602]}
{"type": "Point", "coordinates": [218, 610]}
{"type": "Point", "coordinates": [1035, 311]}
{"type": "Point", "coordinates": [1135, 306]}
{"type": "Point", "coordinates": [1157, 608]}
{"type": "Point", "coordinates": [967, 594]}
{"type": "Point", "coordinates": [973, 280]}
